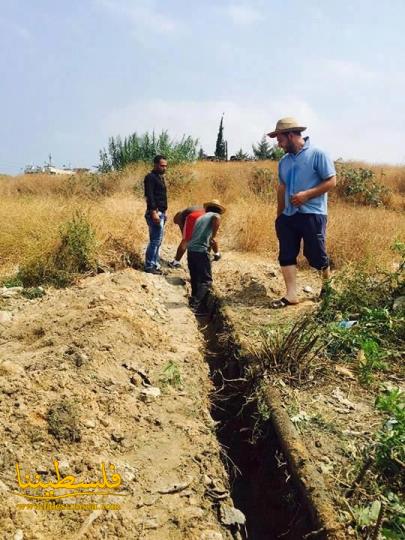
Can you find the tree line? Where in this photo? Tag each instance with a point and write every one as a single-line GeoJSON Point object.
{"type": "Point", "coordinates": [134, 148]}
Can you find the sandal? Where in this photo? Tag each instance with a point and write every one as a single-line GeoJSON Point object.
{"type": "Point", "coordinates": [282, 303]}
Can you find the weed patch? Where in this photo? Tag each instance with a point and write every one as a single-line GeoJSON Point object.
{"type": "Point", "coordinates": [171, 375]}
{"type": "Point", "coordinates": [292, 351]}
{"type": "Point", "coordinates": [74, 254]}
{"type": "Point", "coordinates": [360, 186]}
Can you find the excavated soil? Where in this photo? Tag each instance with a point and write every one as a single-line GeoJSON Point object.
{"type": "Point", "coordinates": [113, 371]}
{"type": "Point", "coordinates": [109, 371]}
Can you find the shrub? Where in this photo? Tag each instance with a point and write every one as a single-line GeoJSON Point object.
{"type": "Point", "coordinates": [73, 254]}
{"type": "Point", "coordinates": [360, 186]}
{"type": "Point", "coordinates": [292, 351]}
{"type": "Point", "coordinates": [91, 185]}
{"type": "Point", "coordinates": [179, 179]}
{"type": "Point", "coordinates": [263, 183]}
{"type": "Point", "coordinates": [390, 454]}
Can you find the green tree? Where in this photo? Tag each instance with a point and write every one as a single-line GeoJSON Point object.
{"type": "Point", "coordinates": [221, 146]}
{"type": "Point", "coordinates": [144, 147]}
{"type": "Point", "coordinates": [241, 155]}
{"type": "Point", "coordinates": [263, 150]}
{"type": "Point", "coordinates": [277, 153]}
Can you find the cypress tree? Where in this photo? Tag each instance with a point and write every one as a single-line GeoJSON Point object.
{"type": "Point", "coordinates": [220, 147]}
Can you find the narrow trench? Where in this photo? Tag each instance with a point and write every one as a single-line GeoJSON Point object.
{"type": "Point", "coordinates": [261, 486]}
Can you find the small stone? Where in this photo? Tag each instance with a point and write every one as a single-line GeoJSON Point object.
{"type": "Point", "coordinates": [11, 292]}
{"type": "Point", "coordinates": [117, 437]}
{"type": "Point", "coordinates": [5, 316]}
{"type": "Point", "coordinates": [211, 535]}
{"type": "Point", "coordinates": [11, 368]}
{"type": "Point", "coordinates": [308, 289]}
{"type": "Point", "coordinates": [150, 523]}
{"type": "Point", "coordinates": [399, 303]}
{"type": "Point", "coordinates": [80, 358]}
{"type": "Point", "coordinates": [64, 466]}
{"type": "Point", "coordinates": [318, 444]}
{"type": "Point", "coordinates": [18, 535]}
{"type": "Point", "coordinates": [90, 423]}
{"type": "Point", "coordinates": [149, 393]}
{"type": "Point", "coordinates": [176, 487]}
{"type": "Point", "coordinates": [129, 473]}
{"type": "Point", "coordinates": [193, 512]}
{"type": "Point", "coordinates": [231, 515]}
{"type": "Point", "coordinates": [104, 422]}
{"type": "Point", "coordinates": [207, 480]}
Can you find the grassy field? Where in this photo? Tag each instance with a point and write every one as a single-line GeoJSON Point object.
{"type": "Point", "coordinates": [34, 208]}
{"type": "Point", "coordinates": [55, 228]}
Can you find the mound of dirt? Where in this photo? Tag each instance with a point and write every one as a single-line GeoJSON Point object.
{"type": "Point", "coordinates": [108, 372]}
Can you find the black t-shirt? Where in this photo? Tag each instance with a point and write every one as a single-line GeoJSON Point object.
{"type": "Point", "coordinates": [155, 192]}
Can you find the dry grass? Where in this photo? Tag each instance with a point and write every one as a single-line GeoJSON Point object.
{"type": "Point", "coordinates": [33, 207]}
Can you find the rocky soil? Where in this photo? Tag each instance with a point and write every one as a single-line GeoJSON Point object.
{"type": "Point", "coordinates": [110, 371]}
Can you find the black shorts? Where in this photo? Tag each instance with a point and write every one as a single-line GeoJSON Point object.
{"type": "Point", "coordinates": [311, 228]}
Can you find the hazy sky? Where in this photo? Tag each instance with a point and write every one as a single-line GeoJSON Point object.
{"type": "Point", "coordinates": [74, 72]}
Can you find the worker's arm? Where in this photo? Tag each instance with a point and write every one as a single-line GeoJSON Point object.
{"type": "Point", "coordinates": [303, 196]}
{"type": "Point", "coordinates": [216, 220]}
{"type": "Point", "coordinates": [181, 249]}
{"type": "Point", "coordinates": [280, 198]}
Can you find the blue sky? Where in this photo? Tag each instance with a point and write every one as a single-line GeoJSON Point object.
{"type": "Point", "coordinates": [75, 72]}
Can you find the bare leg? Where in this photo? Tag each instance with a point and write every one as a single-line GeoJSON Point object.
{"type": "Point", "coordinates": [290, 279]}
{"type": "Point", "coordinates": [325, 274]}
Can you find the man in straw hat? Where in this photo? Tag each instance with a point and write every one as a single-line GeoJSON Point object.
{"type": "Point", "coordinates": [306, 174]}
{"type": "Point", "coordinates": [200, 232]}
{"type": "Point", "coordinates": [180, 220]}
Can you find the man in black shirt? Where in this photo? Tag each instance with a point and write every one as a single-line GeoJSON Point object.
{"type": "Point", "coordinates": [156, 206]}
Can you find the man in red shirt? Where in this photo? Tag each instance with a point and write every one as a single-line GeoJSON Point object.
{"type": "Point", "coordinates": [180, 220]}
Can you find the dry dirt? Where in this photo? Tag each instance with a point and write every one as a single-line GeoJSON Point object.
{"type": "Point", "coordinates": [77, 368]}
{"type": "Point", "coordinates": [76, 372]}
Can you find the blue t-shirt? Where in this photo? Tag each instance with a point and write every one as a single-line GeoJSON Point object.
{"type": "Point", "coordinates": [303, 171]}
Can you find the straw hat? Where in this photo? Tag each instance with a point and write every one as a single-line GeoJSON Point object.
{"type": "Point", "coordinates": [216, 203]}
{"type": "Point", "coordinates": [286, 124]}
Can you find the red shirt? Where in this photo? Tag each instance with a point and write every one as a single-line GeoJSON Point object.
{"type": "Point", "coordinates": [190, 222]}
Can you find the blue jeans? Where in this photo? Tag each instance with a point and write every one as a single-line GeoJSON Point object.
{"type": "Point", "coordinates": [155, 240]}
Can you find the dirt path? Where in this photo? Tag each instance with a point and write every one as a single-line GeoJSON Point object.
{"type": "Point", "coordinates": [109, 371]}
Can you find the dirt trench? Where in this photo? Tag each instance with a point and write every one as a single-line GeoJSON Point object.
{"type": "Point", "coordinates": [261, 483]}
{"type": "Point", "coordinates": [76, 372]}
